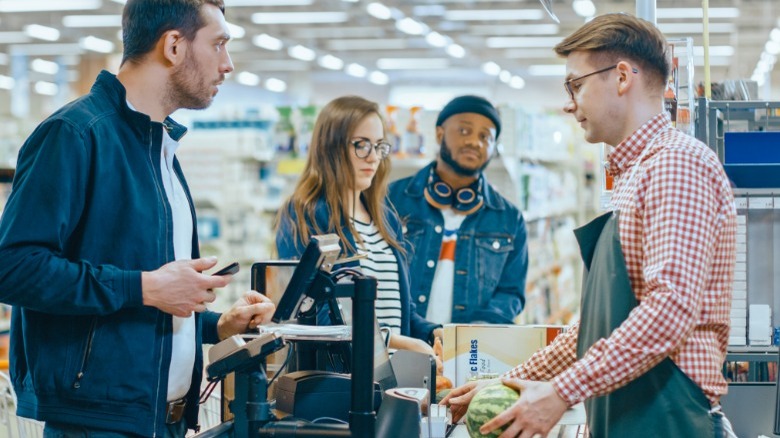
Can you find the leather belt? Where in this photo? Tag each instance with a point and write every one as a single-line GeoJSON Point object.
{"type": "Point", "coordinates": [174, 411]}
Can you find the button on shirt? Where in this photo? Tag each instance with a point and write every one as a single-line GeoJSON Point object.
{"type": "Point", "coordinates": [677, 228]}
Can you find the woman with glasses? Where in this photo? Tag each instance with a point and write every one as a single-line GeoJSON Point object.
{"type": "Point", "coordinates": [342, 190]}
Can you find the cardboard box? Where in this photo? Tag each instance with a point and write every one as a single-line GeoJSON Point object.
{"type": "Point", "coordinates": [474, 350]}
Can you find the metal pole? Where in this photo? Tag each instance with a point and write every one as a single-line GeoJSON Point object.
{"type": "Point", "coordinates": [362, 417]}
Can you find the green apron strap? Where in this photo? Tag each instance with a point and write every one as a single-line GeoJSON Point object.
{"type": "Point", "coordinates": [661, 403]}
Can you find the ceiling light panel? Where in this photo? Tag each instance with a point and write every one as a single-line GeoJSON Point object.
{"type": "Point", "coordinates": [7, 82]}
{"type": "Point", "coordinates": [44, 66]}
{"type": "Point", "coordinates": [92, 21]}
{"type": "Point", "coordinates": [337, 32]}
{"type": "Point", "coordinates": [302, 53]}
{"type": "Point", "coordinates": [412, 63]}
{"type": "Point", "coordinates": [380, 11]}
{"type": "Point", "coordinates": [299, 17]}
{"type": "Point", "coordinates": [330, 62]}
{"type": "Point", "coordinates": [513, 29]}
{"type": "Point", "coordinates": [378, 78]}
{"type": "Point", "coordinates": [356, 70]}
{"type": "Point", "coordinates": [528, 53]}
{"type": "Point", "coordinates": [512, 42]}
{"type": "Point", "coordinates": [48, 5]}
{"type": "Point", "coordinates": [547, 70]}
{"type": "Point", "coordinates": [45, 33]}
{"type": "Point", "coordinates": [367, 44]}
{"type": "Point", "coordinates": [696, 13]}
{"type": "Point", "coordinates": [96, 44]}
{"type": "Point", "coordinates": [495, 14]}
{"type": "Point", "coordinates": [267, 42]}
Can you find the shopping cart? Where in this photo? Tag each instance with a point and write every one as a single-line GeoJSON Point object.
{"type": "Point", "coordinates": [12, 426]}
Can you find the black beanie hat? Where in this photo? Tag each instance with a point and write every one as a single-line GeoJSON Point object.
{"type": "Point", "coordinates": [470, 104]}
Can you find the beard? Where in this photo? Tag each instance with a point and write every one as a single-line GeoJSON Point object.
{"type": "Point", "coordinates": [187, 87]}
{"type": "Point", "coordinates": [446, 156]}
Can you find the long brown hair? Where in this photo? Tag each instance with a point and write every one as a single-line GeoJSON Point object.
{"type": "Point", "coordinates": [329, 174]}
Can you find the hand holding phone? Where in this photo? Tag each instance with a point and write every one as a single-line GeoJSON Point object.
{"type": "Point", "coordinates": [230, 269]}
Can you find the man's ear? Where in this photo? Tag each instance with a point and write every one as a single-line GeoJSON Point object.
{"type": "Point", "coordinates": [173, 46]}
{"type": "Point", "coordinates": [627, 77]}
{"type": "Point", "coordinates": [439, 134]}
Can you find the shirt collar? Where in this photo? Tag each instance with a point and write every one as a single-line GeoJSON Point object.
{"type": "Point", "coordinates": [629, 149]}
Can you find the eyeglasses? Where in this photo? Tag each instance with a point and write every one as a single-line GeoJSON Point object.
{"type": "Point", "coordinates": [570, 88]}
{"type": "Point", "coordinates": [363, 148]}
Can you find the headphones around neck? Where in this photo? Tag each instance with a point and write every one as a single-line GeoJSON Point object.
{"type": "Point", "coordinates": [465, 200]}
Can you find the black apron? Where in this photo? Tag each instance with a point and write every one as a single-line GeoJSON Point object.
{"type": "Point", "coordinates": [663, 402]}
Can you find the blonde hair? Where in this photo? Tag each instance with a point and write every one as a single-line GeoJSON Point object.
{"type": "Point", "coordinates": [329, 174]}
{"type": "Point", "coordinates": [620, 35]}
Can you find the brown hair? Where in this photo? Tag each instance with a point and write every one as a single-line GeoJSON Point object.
{"type": "Point", "coordinates": [329, 174]}
{"type": "Point", "coordinates": [620, 35]}
{"type": "Point", "coordinates": [145, 21]}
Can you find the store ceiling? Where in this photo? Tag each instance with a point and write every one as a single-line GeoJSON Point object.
{"type": "Point", "coordinates": [517, 36]}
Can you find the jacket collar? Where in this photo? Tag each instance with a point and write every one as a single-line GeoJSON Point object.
{"type": "Point", "coordinates": [108, 85]}
{"type": "Point", "coordinates": [417, 184]}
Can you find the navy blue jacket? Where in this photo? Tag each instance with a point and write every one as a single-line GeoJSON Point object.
{"type": "Point", "coordinates": [412, 324]}
{"type": "Point", "coordinates": [87, 213]}
{"type": "Point", "coordinates": [491, 254]}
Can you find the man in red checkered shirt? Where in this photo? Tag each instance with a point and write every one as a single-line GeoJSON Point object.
{"type": "Point", "coordinates": [657, 370]}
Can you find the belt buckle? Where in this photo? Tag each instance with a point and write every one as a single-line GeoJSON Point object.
{"type": "Point", "coordinates": [174, 411]}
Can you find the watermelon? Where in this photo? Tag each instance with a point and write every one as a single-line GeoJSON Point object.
{"type": "Point", "coordinates": [489, 402]}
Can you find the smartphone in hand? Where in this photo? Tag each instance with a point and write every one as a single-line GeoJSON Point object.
{"type": "Point", "coordinates": [228, 270]}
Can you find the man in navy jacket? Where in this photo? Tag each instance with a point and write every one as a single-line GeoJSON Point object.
{"type": "Point", "coordinates": [100, 255]}
{"type": "Point", "coordinates": [469, 256]}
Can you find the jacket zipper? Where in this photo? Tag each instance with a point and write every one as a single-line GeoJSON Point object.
{"type": "Point", "coordinates": [85, 356]}
{"type": "Point", "coordinates": [161, 194]}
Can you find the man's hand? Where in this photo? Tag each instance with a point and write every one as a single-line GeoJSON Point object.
{"type": "Point", "coordinates": [536, 412]}
{"type": "Point", "coordinates": [248, 312]}
{"type": "Point", "coordinates": [459, 398]}
{"type": "Point", "coordinates": [401, 342]}
{"type": "Point", "coordinates": [179, 288]}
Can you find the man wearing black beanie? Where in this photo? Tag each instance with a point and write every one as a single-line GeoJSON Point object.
{"type": "Point", "coordinates": [468, 255]}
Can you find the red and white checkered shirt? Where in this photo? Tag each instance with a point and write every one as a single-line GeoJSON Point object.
{"type": "Point", "coordinates": [677, 228]}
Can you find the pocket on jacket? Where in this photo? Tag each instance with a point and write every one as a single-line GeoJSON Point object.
{"type": "Point", "coordinates": [492, 252]}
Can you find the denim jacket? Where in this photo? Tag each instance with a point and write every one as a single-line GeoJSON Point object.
{"type": "Point", "coordinates": [412, 324]}
{"type": "Point", "coordinates": [491, 254]}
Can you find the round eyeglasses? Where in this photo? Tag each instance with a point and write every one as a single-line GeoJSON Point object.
{"type": "Point", "coordinates": [363, 148]}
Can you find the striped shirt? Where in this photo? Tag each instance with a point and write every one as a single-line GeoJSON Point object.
{"type": "Point", "coordinates": [382, 264]}
{"type": "Point", "coordinates": [677, 228]}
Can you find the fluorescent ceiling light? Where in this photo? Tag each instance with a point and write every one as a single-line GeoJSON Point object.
{"type": "Point", "coordinates": [44, 66]}
{"type": "Point", "coordinates": [505, 76]}
{"type": "Point", "coordinates": [299, 17]}
{"type": "Point", "coordinates": [514, 29]}
{"type": "Point", "coordinates": [302, 53]}
{"type": "Point", "coordinates": [14, 38]}
{"type": "Point", "coordinates": [528, 53]}
{"type": "Point", "coordinates": [428, 10]}
{"type": "Point", "coordinates": [275, 85]}
{"type": "Point", "coordinates": [696, 28]}
{"type": "Point", "coordinates": [330, 62]}
{"type": "Point", "coordinates": [268, 42]}
{"type": "Point", "coordinates": [339, 32]}
{"type": "Point", "coordinates": [378, 78]}
{"type": "Point", "coordinates": [356, 70]}
{"type": "Point", "coordinates": [772, 47]}
{"type": "Point", "coordinates": [512, 42]}
{"type": "Point", "coordinates": [714, 51]}
{"type": "Point", "coordinates": [436, 39]}
{"type": "Point", "coordinates": [410, 26]}
{"type": "Point", "coordinates": [47, 5]}
{"type": "Point", "coordinates": [350, 1]}
{"type": "Point", "coordinates": [248, 79]}
{"type": "Point", "coordinates": [45, 33]}
{"type": "Point", "coordinates": [494, 14]}
{"type": "Point", "coordinates": [235, 31]}
{"type": "Point", "coordinates": [278, 65]}
{"type": "Point", "coordinates": [547, 70]}
{"type": "Point", "coordinates": [46, 88]}
{"type": "Point", "coordinates": [96, 44]}
{"type": "Point", "coordinates": [368, 44]}
{"type": "Point", "coordinates": [775, 35]}
{"type": "Point", "coordinates": [378, 10]}
{"type": "Point", "coordinates": [696, 13]}
{"type": "Point", "coordinates": [412, 63]}
{"type": "Point", "coordinates": [491, 68]}
{"type": "Point", "coordinates": [517, 82]}
{"type": "Point", "coordinates": [455, 50]}
{"type": "Point", "coordinates": [7, 82]}
{"type": "Point", "coordinates": [584, 8]}
{"type": "Point", "coordinates": [92, 21]}
{"type": "Point", "coordinates": [239, 3]}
